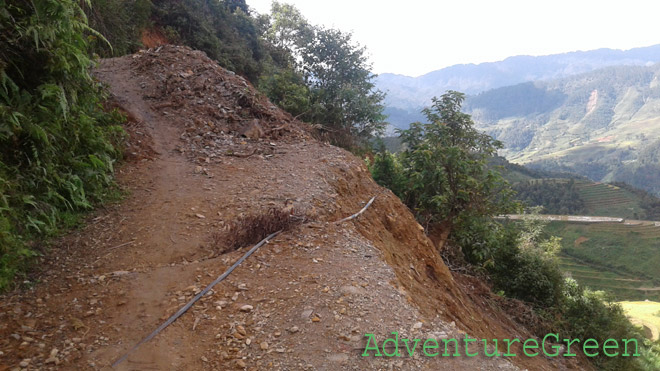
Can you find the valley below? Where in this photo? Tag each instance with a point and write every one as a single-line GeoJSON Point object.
{"type": "Point", "coordinates": [607, 247]}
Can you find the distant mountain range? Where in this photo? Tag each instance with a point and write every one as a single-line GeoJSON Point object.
{"type": "Point", "coordinates": [603, 124]}
{"type": "Point", "coordinates": [406, 96]}
{"type": "Point", "coordinates": [594, 113]}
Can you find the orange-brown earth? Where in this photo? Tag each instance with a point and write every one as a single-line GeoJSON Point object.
{"type": "Point", "coordinates": [205, 148]}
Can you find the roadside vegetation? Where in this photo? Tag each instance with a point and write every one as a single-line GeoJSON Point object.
{"type": "Point", "coordinates": [443, 175]}
{"type": "Point", "coordinates": [57, 145]}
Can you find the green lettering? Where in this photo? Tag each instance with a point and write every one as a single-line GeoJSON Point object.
{"type": "Point", "coordinates": [411, 352]}
{"type": "Point", "coordinates": [495, 354]}
{"type": "Point", "coordinates": [467, 341]}
{"type": "Point", "coordinates": [569, 342]}
{"type": "Point", "coordinates": [535, 346]}
{"type": "Point", "coordinates": [555, 347]}
{"type": "Point", "coordinates": [396, 345]}
{"type": "Point", "coordinates": [625, 348]}
{"type": "Point", "coordinates": [585, 347]}
{"type": "Point", "coordinates": [371, 337]}
{"type": "Point", "coordinates": [508, 347]}
{"type": "Point", "coordinates": [606, 347]}
{"type": "Point", "coordinates": [446, 353]}
{"type": "Point", "coordinates": [431, 347]}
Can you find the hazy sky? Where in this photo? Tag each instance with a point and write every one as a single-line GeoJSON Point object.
{"type": "Point", "coordinates": [414, 37]}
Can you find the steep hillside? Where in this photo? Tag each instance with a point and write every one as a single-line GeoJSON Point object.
{"type": "Point", "coordinates": [601, 124]}
{"type": "Point", "coordinates": [407, 95]}
{"type": "Point", "coordinates": [207, 149]}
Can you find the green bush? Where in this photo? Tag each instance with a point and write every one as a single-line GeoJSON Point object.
{"type": "Point", "coordinates": [528, 275]}
{"type": "Point", "coordinates": [121, 23]}
{"type": "Point", "coordinates": [443, 176]}
{"type": "Point", "coordinates": [387, 171]}
{"type": "Point", "coordinates": [591, 314]}
{"type": "Point", "coordinates": [56, 142]}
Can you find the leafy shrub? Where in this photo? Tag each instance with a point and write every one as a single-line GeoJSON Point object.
{"type": "Point", "coordinates": [591, 314]}
{"type": "Point", "coordinates": [526, 274]}
{"type": "Point", "coordinates": [444, 177]}
{"type": "Point", "coordinates": [387, 171]}
{"type": "Point", "coordinates": [328, 76]}
{"type": "Point", "coordinates": [121, 23]}
{"type": "Point", "coordinates": [56, 142]}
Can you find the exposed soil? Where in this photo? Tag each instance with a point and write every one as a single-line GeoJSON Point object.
{"type": "Point", "coordinates": [205, 149]}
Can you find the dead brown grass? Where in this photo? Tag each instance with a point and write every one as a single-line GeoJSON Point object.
{"type": "Point", "coordinates": [250, 229]}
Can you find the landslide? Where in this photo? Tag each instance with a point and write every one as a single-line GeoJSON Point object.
{"type": "Point", "coordinates": [206, 148]}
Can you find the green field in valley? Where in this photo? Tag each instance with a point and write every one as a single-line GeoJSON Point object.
{"type": "Point", "coordinates": [645, 314]}
{"type": "Point", "coordinates": [621, 259]}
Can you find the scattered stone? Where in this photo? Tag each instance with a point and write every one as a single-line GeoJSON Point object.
{"type": "Point", "coordinates": [338, 358]}
{"type": "Point", "coordinates": [247, 308]}
{"type": "Point", "coordinates": [352, 290]}
{"type": "Point", "coordinates": [252, 130]}
{"type": "Point", "coordinates": [241, 363]}
{"type": "Point", "coordinates": [263, 345]}
{"type": "Point", "coordinates": [241, 330]}
{"type": "Point", "coordinates": [417, 325]}
{"type": "Point", "coordinates": [294, 329]}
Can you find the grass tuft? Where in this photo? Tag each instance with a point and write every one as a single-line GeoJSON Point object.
{"type": "Point", "coordinates": [250, 229]}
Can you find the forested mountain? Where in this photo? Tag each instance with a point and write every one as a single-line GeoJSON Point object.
{"type": "Point", "coordinates": [602, 124]}
{"type": "Point", "coordinates": [407, 95]}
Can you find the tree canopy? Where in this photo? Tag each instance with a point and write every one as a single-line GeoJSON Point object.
{"type": "Point", "coordinates": [444, 177]}
{"type": "Point", "coordinates": [340, 94]}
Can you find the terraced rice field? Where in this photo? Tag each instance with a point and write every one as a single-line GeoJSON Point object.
{"type": "Point", "coordinates": [621, 259]}
{"type": "Point", "coordinates": [621, 286]}
{"type": "Point", "coordinates": [607, 200]}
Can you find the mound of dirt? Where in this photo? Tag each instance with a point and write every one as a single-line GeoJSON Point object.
{"type": "Point", "coordinates": [217, 109]}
